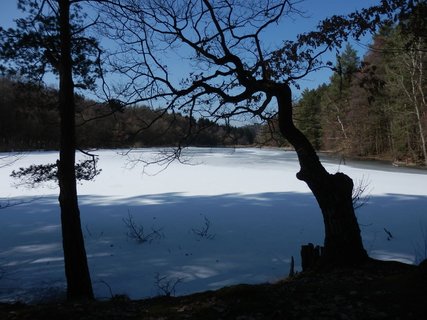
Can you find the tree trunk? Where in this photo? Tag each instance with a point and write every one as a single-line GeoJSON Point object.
{"type": "Point", "coordinates": [333, 192]}
{"type": "Point", "coordinates": [79, 284]}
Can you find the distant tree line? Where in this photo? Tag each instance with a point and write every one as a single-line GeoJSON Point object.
{"type": "Point", "coordinates": [374, 107]}
{"type": "Point", "coordinates": [30, 121]}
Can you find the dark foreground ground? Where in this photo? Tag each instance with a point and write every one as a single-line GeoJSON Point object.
{"type": "Point", "coordinates": [377, 290]}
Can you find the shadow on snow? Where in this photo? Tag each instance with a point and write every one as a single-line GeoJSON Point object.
{"type": "Point", "coordinates": [253, 237]}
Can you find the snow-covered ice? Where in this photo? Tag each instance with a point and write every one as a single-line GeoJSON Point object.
{"type": "Point", "coordinates": [259, 216]}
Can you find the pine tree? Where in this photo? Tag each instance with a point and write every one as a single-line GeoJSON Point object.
{"type": "Point", "coordinates": [308, 114]}
{"type": "Point", "coordinates": [48, 40]}
{"type": "Point", "coordinates": [336, 102]}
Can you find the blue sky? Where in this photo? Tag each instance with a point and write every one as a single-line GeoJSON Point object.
{"type": "Point", "coordinates": [314, 11]}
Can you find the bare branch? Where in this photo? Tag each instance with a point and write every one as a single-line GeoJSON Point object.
{"type": "Point", "coordinates": [136, 232]}
{"type": "Point", "coordinates": [204, 232]}
{"type": "Point", "coordinates": [166, 284]}
{"type": "Point", "coordinates": [7, 160]}
{"type": "Point", "coordinates": [228, 72]}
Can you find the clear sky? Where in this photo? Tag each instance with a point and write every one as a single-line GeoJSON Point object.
{"type": "Point", "coordinates": [314, 11]}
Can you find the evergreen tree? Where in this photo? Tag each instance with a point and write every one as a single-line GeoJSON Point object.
{"type": "Point", "coordinates": [51, 39]}
{"type": "Point", "coordinates": [308, 115]}
{"type": "Point", "coordinates": [336, 102]}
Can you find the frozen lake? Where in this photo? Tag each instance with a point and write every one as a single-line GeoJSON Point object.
{"type": "Point", "coordinates": [258, 215]}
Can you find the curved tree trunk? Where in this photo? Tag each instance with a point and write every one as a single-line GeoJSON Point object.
{"type": "Point", "coordinates": [79, 284]}
{"type": "Point", "coordinates": [333, 192]}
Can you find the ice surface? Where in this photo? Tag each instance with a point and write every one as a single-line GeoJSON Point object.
{"type": "Point", "coordinates": [259, 215]}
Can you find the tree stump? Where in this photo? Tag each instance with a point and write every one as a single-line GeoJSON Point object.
{"type": "Point", "coordinates": [310, 255]}
{"type": "Point", "coordinates": [292, 267]}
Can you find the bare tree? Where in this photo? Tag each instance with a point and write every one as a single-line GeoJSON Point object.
{"type": "Point", "coordinates": [409, 78]}
{"type": "Point", "coordinates": [230, 73]}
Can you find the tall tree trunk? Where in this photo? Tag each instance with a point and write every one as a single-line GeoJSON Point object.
{"type": "Point", "coordinates": [343, 243]}
{"type": "Point", "coordinates": [79, 284]}
{"type": "Point", "coordinates": [418, 86]}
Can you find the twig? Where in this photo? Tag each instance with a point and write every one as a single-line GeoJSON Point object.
{"type": "Point", "coordinates": [108, 287]}
{"type": "Point", "coordinates": [166, 285]}
{"type": "Point", "coordinates": [360, 194]}
{"type": "Point", "coordinates": [389, 235]}
{"type": "Point", "coordinates": [203, 232]}
{"type": "Point", "coordinates": [136, 232]}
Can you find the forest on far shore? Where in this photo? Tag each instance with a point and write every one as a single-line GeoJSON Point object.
{"type": "Point", "coordinates": [30, 121]}
{"type": "Point", "coordinates": [371, 107]}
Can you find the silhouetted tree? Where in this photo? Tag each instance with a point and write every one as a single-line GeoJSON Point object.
{"type": "Point", "coordinates": [232, 75]}
{"type": "Point", "coordinates": [51, 39]}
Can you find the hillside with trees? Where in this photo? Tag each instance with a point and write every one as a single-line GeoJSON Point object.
{"type": "Point", "coordinates": [30, 121]}
{"type": "Point", "coordinates": [374, 107]}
